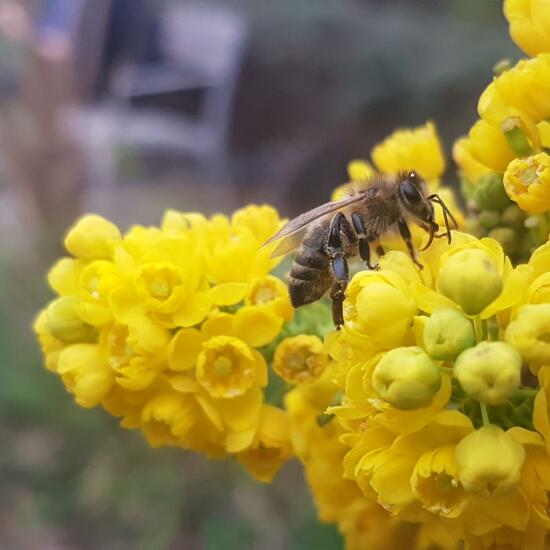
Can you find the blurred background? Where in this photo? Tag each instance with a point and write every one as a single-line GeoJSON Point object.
{"type": "Point", "coordinates": [127, 107]}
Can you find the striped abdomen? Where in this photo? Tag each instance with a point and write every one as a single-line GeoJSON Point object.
{"type": "Point", "coordinates": [310, 276]}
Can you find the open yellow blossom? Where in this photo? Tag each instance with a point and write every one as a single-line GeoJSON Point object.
{"type": "Point", "coordinates": [418, 148]}
{"type": "Point", "coordinates": [271, 447]}
{"type": "Point", "coordinates": [529, 24]}
{"type": "Point", "coordinates": [136, 352]}
{"type": "Point", "coordinates": [271, 293]}
{"type": "Point", "coordinates": [300, 358]}
{"type": "Point", "coordinates": [523, 88]}
{"type": "Point", "coordinates": [227, 367]}
{"type": "Point", "coordinates": [527, 182]}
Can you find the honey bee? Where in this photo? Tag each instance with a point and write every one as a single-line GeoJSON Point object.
{"type": "Point", "coordinates": [332, 232]}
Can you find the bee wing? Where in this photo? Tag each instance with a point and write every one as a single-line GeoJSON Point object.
{"type": "Point", "coordinates": [291, 234]}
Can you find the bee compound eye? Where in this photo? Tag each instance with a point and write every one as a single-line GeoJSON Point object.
{"type": "Point", "coordinates": [410, 193]}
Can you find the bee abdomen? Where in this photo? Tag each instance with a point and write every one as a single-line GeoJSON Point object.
{"type": "Point", "coordinates": [309, 277]}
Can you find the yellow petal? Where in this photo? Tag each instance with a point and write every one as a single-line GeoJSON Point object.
{"type": "Point", "coordinates": [184, 349]}
{"type": "Point", "coordinates": [194, 310]}
{"type": "Point", "coordinates": [228, 294]}
{"type": "Point", "coordinates": [257, 326]}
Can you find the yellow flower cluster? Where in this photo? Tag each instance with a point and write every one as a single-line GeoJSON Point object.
{"type": "Point", "coordinates": [161, 327]}
{"type": "Point", "coordinates": [439, 430]}
{"type": "Point", "coordinates": [513, 130]}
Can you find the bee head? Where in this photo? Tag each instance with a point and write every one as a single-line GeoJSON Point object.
{"type": "Point", "coordinates": [414, 200]}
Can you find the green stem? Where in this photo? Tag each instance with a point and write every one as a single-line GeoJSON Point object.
{"type": "Point", "coordinates": [543, 228]}
{"type": "Point", "coordinates": [478, 328]}
{"type": "Point", "coordinates": [485, 329]}
{"type": "Point", "coordinates": [484, 414]}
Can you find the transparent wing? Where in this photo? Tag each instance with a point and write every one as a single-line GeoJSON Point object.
{"type": "Point", "coordinates": [291, 234]}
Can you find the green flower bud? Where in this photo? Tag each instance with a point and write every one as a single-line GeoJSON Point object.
{"type": "Point", "coordinates": [474, 227]}
{"type": "Point", "coordinates": [489, 218]}
{"type": "Point", "coordinates": [506, 237]}
{"type": "Point", "coordinates": [447, 333]}
{"type": "Point", "coordinates": [513, 216]}
{"type": "Point", "coordinates": [407, 378]}
{"type": "Point", "coordinates": [64, 322]}
{"type": "Point", "coordinates": [489, 193]}
{"type": "Point", "coordinates": [529, 333]}
{"type": "Point", "coordinates": [490, 372]}
{"type": "Point", "coordinates": [470, 278]}
{"type": "Point", "coordinates": [489, 462]}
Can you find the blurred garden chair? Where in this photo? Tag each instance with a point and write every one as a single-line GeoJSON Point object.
{"type": "Point", "coordinates": [201, 49]}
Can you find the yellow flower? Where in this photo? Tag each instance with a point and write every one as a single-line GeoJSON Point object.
{"type": "Point", "coordinates": [489, 461]}
{"type": "Point", "coordinates": [270, 293]}
{"type": "Point", "coordinates": [471, 279]}
{"type": "Point", "coordinates": [271, 447]}
{"type": "Point", "coordinates": [529, 24]}
{"type": "Point", "coordinates": [235, 252]}
{"type": "Point", "coordinates": [227, 367]}
{"type": "Point", "coordinates": [415, 149]}
{"type": "Point", "coordinates": [469, 167]}
{"type": "Point", "coordinates": [136, 352]}
{"type": "Point", "coordinates": [85, 373]}
{"type": "Point", "coordinates": [528, 332]}
{"type": "Point", "coordinates": [92, 238]}
{"type": "Point", "coordinates": [521, 92]}
{"type": "Point", "coordinates": [300, 358]}
{"type": "Point", "coordinates": [378, 311]}
{"type": "Point", "coordinates": [489, 372]}
{"type": "Point", "coordinates": [485, 145]}
{"type": "Point", "coordinates": [527, 182]}
{"type": "Point", "coordinates": [49, 344]}
{"type": "Point", "coordinates": [407, 378]}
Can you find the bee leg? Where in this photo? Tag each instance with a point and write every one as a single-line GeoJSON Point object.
{"type": "Point", "coordinates": [364, 242]}
{"type": "Point", "coordinates": [339, 231]}
{"type": "Point", "coordinates": [406, 236]}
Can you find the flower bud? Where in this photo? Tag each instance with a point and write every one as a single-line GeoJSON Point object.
{"type": "Point", "coordinates": [64, 322]}
{"type": "Point", "coordinates": [506, 237]}
{"type": "Point", "coordinates": [529, 333]}
{"type": "Point", "coordinates": [489, 461]}
{"type": "Point", "coordinates": [513, 216]}
{"type": "Point", "coordinates": [489, 193]}
{"type": "Point", "coordinates": [91, 237]}
{"type": "Point", "coordinates": [489, 218]}
{"type": "Point", "coordinates": [470, 278]}
{"type": "Point", "coordinates": [407, 378]}
{"type": "Point", "coordinates": [447, 333]}
{"type": "Point", "coordinates": [490, 372]}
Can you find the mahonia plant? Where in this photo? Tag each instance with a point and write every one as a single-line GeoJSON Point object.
{"type": "Point", "coordinates": [425, 421]}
